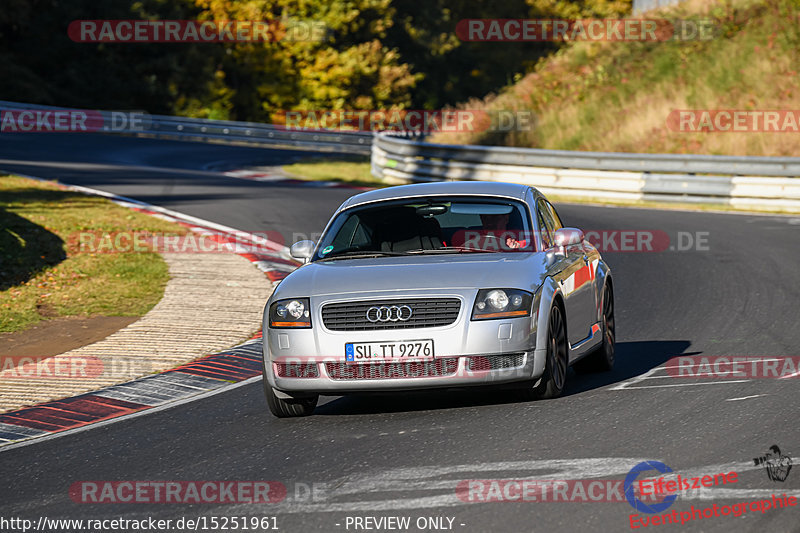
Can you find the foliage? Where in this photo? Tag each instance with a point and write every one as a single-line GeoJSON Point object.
{"type": "Point", "coordinates": [616, 96]}
{"type": "Point", "coordinates": [373, 54]}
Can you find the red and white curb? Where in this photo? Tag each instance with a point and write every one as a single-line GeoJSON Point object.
{"type": "Point", "coordinates": [203, 377]}
{"type": "Point", "coordinates": [209, 373]}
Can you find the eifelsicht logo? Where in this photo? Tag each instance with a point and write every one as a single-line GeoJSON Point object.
{"type": "Point", "coordinates": [630, 483]}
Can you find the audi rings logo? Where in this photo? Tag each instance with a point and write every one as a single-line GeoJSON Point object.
{"type": "Point", "coordinates": [389, 313]}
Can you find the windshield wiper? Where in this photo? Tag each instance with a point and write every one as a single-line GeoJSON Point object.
{"type": "Point", "coordinates": [449, 249]}
{"type": "Point", "coordinates": [361, 254]}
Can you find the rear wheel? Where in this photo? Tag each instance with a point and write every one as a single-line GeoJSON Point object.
{"type": "Point", "coordinates": [602, 358]}
{"type": "Point", "coordinates": [288, 408]}
{"type": "Point", "coordinates": [554, 378]}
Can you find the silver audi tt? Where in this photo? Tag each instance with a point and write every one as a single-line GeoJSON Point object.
{"type": "Point", "coordinates": [438, 285]}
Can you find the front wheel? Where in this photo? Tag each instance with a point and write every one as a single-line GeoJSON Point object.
{"type": "Point", "coordinates": [554, 378]}
{"type": "Point", "coordinates": [288, 408]}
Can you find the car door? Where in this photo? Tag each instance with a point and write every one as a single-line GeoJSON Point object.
{"type": "Point", "coordinates": [572, 276]}
{"type": "Point", "coordinates": [590, 258]}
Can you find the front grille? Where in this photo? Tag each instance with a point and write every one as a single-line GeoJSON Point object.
{"type": "Point", "coordinates": [409, 369]}
{"type": "Point", "coordinates": [297, 370]}
{"type": "Point", "coordinates": [426, 313]}
{"type": "Point", "coordinates": [495, 362]}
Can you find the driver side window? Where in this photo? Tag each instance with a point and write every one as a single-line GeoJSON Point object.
{"type": "Point", "coordinates": [544, 228]}
{"type": "Point", "coordinates": [554, 215]}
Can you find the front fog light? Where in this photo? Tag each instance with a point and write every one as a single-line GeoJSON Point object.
{"type": "Point", "coordinates": [290, 313]}
{"type": "Point", "coordinates": [502, 303]}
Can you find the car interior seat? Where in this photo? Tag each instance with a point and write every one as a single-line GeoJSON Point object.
{"type": "Point", "coordinates": [404, 230]}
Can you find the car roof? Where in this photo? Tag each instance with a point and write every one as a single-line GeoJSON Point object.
{"type": "Point", "coordinates": [478, 188]}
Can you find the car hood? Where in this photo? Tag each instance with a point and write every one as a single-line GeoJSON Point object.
{"type": "Point", "coordinates": [465, 271]}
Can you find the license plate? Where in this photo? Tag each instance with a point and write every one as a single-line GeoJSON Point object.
{"type": "Point", "coordinates": [371, 352]}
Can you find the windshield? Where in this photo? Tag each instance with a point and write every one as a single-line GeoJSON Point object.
{"type": "Point", "coordinates": [429, 226]}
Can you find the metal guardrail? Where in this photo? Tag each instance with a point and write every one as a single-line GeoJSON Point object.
{"type": "Point", "coordinates": [694, 164]}
{"type": "Point", "coordinates": [183, 128]}
{"type": "Point", "coordinates": [747, 182]}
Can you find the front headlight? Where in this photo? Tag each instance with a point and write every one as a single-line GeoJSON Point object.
{"type": "Point", "coordinates": [501, 303]}
{"type": "Point", "coordinates": [290, 313]}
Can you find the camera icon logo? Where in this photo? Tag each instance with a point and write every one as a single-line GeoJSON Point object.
{"type": "Point", "coordinates": [775, 463]}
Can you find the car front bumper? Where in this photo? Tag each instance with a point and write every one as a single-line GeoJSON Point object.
{"type": "Point", "coordinates": [467, 353]}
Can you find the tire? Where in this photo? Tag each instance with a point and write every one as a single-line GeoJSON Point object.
{"type": "Point", "coordinates": [288, 408]}
{"type": "Point", "coordinates": [554, 378]}
{"type": "Point", "coordinates": [602, 358]}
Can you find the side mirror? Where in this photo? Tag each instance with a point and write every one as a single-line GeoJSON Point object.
{"type": "Point", "coordinates": [302, 250]}
{"type": "Point", "coordinates": [567, 237]}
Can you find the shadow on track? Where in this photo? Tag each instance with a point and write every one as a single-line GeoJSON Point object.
{"type": "Point", "coordinates": [633, 359]}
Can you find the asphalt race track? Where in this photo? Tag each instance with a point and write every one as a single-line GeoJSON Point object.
{"type": "Point", "coordinates": [404, 455]}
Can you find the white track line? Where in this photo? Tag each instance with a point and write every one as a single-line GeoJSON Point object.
{"type": "Point", "coordinates": [434, 486]}
{"type": "Point", "coordinates": [745, 398]}
{"type": "Point", "coordinates": [625, 385]}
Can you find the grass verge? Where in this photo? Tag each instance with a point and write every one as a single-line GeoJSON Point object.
{"type": "Point", "coordinates": [667, 206]}
{"type": "Point", "coordinates": [43, 275]}
{"type": "Point", "coordinates": [353, 171]}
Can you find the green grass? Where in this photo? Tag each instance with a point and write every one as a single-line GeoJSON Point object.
{"type": "Point", "coordinates": [44, 274]}
{"type": "Point", "coordinates": [353, 171]}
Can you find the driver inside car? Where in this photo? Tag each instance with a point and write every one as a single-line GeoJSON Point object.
{"type": "Point", "coordinates": [494, 233]}
{"type": "Point", "coordinates": [497, 225]}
